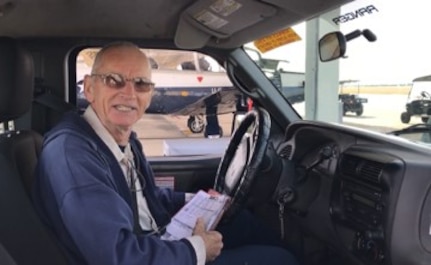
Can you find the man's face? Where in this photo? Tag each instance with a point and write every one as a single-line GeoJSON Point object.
{"type": "Point", "coordinates": [119, 108]}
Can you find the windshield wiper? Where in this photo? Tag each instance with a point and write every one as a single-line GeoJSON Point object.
{"type": "Point", "coordinates": [416, 128]}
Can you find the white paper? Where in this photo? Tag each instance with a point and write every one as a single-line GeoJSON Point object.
{"type": "Point", "coordinates": [203, 205]}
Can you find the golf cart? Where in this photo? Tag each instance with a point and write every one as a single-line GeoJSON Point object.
{"type": "Point", "coordinates": [419, 100]}
{"type": "Point", "coordinates": [351, 102]}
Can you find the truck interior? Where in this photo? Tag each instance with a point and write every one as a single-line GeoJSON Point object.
{"type": "Point", "coordinates": [335, 194]}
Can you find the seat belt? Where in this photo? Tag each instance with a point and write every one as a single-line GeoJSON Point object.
{"type": "Point", "coordinates": [53, 102]}
{"type": "Point", "coordinates": [47, 110]}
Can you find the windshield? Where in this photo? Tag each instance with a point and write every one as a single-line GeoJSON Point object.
{"type": "Point", "coordinates": [376, 85]}
{"type": "Point", "coordinates": [420, 90]}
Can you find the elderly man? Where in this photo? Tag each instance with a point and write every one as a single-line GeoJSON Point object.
{"type": "Point", "coordinates": [95, 189]}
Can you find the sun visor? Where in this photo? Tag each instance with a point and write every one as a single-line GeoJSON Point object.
{"type": "Point", "coordinates": [218, 19]}
{"type": "Point", "coordinates": [189, 36]}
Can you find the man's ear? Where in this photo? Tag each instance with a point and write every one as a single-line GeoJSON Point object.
{"type": "Point", "coordinates": [88, 88]}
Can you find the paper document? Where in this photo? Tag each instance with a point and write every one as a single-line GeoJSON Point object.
{"type": "Point", "coordinates": [209, 207]}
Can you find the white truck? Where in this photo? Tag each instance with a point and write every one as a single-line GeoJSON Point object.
{"type": "Point", "coordinates": [291, 84]}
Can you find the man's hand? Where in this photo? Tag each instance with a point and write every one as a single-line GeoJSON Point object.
{"type": "Point", "coordinates": [212, 239]}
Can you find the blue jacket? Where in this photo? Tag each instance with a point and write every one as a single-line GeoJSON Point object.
{"type": "Point", "coordinates": [81, 193]}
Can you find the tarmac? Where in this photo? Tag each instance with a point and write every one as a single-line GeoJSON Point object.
{"type": "Point", "coordinates": [152, 129]}
{"type": "Point", "coordinates": [381, 113]}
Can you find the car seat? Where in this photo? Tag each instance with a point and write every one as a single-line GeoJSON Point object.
{"type": "Point", "coordinates": [22, 233]}
{"type": "Point", "coordinates": [5, 258]}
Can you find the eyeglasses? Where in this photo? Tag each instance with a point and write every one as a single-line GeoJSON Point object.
{"type": "Point", "coordinates": [117, 81]}
{"type": "Point", "coordinates": [133, 175]}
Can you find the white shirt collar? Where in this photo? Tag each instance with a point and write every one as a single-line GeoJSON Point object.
{"type": "Point", "coordinates": [91, 117]}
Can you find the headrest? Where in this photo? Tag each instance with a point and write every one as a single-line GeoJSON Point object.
{"type": "Point", "coordinates": [16, 79]}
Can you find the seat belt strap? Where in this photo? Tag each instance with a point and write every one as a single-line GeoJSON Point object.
{"type": "Point", "coordinates": [53, 102]}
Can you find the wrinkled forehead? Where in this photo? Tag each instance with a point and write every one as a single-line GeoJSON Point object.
{"type": "Point", "coordinates": [128, 61]}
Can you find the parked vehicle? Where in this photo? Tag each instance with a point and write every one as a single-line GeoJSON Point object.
{"type": "Point", "coordinates": [352, 102]}
{"type": "Point", "coordinates": [290, 83]}
{"type": "Point", "coordinates": [418, 100]}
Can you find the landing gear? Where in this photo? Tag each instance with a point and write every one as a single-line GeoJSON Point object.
{"type": "Point", "coordinates": [196, 124]}
{"type": "Point", "coordinates": [219, 135]}
{"type": "Point", "coordinates": [212, 128]}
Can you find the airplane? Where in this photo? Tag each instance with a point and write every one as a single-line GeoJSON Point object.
{"type": "Point", "coordinates": [204, 92]}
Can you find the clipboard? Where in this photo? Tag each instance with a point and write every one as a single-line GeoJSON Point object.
{"type": "Point", "coordinates": [210, 206]}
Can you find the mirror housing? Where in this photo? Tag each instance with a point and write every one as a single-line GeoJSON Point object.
{"type": "Point", "coordinates": [332, 46]}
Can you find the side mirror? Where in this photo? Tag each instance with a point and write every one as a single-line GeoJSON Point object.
{"type": "Point", "coordinates": [332, 46]}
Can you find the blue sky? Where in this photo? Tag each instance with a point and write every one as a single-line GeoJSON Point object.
{"type": "Point", "coordinates": [401, 53]}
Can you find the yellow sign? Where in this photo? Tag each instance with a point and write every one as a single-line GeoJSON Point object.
{"type": "Point", "coordinates": [276, 40]}
{"type": "Point", "coordinates": [88, 55]}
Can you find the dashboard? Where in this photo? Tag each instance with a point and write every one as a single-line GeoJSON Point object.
{"type": "Point", "coordinates": [363, 193]}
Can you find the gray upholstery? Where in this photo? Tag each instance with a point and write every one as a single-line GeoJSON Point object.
{"type": "Point", "coordinates": [5, 258]}
{"type": "Point", "coordinates": [16, 80]}
{"type": "Point", "coordinates": [22, 233]}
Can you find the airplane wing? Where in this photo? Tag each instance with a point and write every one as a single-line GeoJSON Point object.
{"type": "Point", "coordinates": [225, 99]}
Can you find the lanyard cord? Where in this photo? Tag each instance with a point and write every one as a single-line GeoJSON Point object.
{"type": "Point", "coordinates": [133, 193]}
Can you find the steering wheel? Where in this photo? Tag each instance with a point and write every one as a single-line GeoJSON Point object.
{"type": "Point", "coordinates": [240, 163]}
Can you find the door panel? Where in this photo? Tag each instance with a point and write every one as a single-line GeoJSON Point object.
{"type": "Point", "coordinates": [188, 173]}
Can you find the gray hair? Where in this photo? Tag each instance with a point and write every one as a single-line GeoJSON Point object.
{"type": "Point", "coordinates": [112, 45]}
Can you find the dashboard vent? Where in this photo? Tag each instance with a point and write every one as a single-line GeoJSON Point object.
{"type": "Point", "coordinates": [361, 169]}
{"type": "Point", "coordinates": [286, 151]}
{"type": "Point", "coordinates": [370, 171]}
{"type": "Point", "coordinates": [349, 165]}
